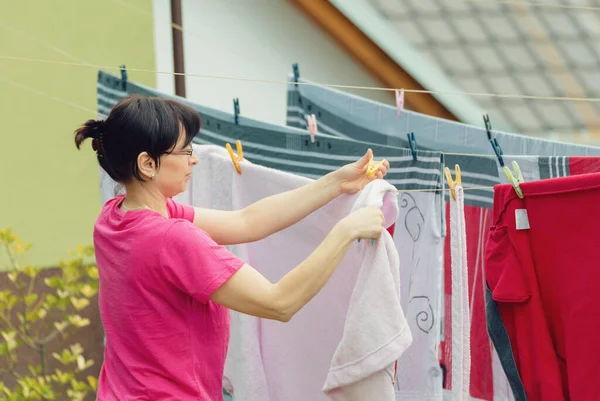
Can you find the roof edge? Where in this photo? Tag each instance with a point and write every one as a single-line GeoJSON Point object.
{"type": "Point", "coordinates": [409, 58]}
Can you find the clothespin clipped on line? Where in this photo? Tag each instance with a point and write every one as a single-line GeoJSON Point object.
{"type": "Point", "coordinates": [296, 70]}
{"type": "Point", "coordinates": [399, 101]}
{"type": "Point", "coordinates": [412, 144]}
{"type": "Point", "coordinates": [123, 77]}
{"type": "Point", "coordinates": [236, 159]}
{"type": "Point", "coordinates": [236, 110]}
{"type": "Point", "coordinates": [515, 179]}
{"type": "Point", "coordinates": [493, 140]}
{"type": "Point", "coordinates": [312, 126]}
{"type": "Point", "coordinates": [452, 183]}
{"type": "Point", "coordinates": [373, 167]}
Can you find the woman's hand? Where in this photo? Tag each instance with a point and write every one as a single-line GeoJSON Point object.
{"type": "Point", "coordinates": [364, 223]}
{"type": "Point", "coordinates": [353, 177]}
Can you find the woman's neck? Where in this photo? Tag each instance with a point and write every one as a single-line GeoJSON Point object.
{"type": "Point", "coordinates": [141, 197]}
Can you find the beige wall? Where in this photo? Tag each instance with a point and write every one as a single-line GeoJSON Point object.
{"type": "Point", "coordinates": [49, 191]}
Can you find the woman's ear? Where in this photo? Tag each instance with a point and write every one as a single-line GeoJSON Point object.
{"type": "Point", "coordinates": [146, 165]}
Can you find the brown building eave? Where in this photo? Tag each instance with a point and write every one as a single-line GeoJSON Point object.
{"type": "Point", "coordinates": [370, 56]}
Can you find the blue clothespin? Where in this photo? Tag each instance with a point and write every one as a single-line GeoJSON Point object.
{"type": "Point", "coordinates": [493, 141]}
{"type": "Point", "coordinates": [123, 77]}
{"type": "Point", "coordinates": [412, 144]}
{"type": "Point", "coordinates": [296, 78]}
{"type": "Point", "coordinates": [296, 72]}
{"type": "Point", "coordinates": [236, 110]}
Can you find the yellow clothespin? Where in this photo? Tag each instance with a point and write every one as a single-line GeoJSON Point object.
{"type": "Point", "coordinates": [451, 183]}
{"type": "Point", "coordinates": [236, 159]}
{"type": "Point", "coordinates": [516, 179]}
{"type": "Point", "coordinates": [373, 167]}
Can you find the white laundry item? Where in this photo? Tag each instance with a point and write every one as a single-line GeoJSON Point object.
{"type": "Point", "coordinates": [420, 244]}
{"type": "Point", "coordinates": [108, 188]}
{"type": "Point", "coordinates": [461, 325]}
{"type": "Point", "coordinates": [274, 361]}
{"type": "Point", "coordinates": [376, 332]}
{"type": "Point", "coordinates": [212, 187]}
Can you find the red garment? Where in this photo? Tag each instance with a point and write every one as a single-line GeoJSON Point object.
{"type": "Point", "coordinates": [544, 280]}
{"type": "Point", "coordinates": [390, 229]}
{"type": "Point", "coordinates": [478, 221]}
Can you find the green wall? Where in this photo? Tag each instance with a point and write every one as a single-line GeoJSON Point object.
{"type": "Point", "coordinates": [49, 191]}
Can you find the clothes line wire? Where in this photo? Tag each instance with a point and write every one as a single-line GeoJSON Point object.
{"type": "Point", "coordinates": [75, 105]}
{"type": "Point", "coordinates": [532, 4]}
{"type": "Point", "coordinates": [374, 88]}
{"type": "Point", "coordinates": [82, 61]}
{"type": "Point", "coordinates": [68, 102]}
{"type": "Point", "coordinates": [42, 43]}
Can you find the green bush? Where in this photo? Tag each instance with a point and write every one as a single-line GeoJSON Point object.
{"type": "Point", "coordinates": [38, 321]}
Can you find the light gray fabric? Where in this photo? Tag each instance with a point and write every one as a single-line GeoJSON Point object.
{"type": "Point", "coordinates": [349, 116]}
{"type": "Point", "coordinates": [340, 112]}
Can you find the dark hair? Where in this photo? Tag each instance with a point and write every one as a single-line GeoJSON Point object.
{"type": "Point", "coordinates": [138, 124]}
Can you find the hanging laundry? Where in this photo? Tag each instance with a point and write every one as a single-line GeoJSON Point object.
{"type": "Point", "coordinates": [542, 273]}
{"type": "Point", "coordinates": [486, 383]}
{"type": "Point", "coordinates": [461, 321]}
{"type": "Point", "coordinates": [433, 133]}
{"type": "Point", "coordinates": [340, 118]}
{"type": "Point", "coordinates": [418, 230]}
{"type": "Point", "coordinates": [360, 305]}
{"type": "Point", "coordinates": [367, 345]}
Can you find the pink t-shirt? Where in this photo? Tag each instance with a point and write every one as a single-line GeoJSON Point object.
{"type": "Point", "coordinates": [165, 340]}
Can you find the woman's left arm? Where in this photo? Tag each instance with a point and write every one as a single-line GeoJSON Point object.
{"type": "Point", "coordinates": [277, 212]}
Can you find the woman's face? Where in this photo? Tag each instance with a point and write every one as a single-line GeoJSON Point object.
{"type": "Point", "coordinates": [176, 169]}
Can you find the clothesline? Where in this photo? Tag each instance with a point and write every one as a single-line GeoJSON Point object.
{"type": "Point", "coordinates": [75, 105]}
{"type": "Point", "coordinates": [531, 4]}
{"type": "Point", "coordinates": [439, 189]}
{"type": "Point", "coordinates": [67, 102]}
{"type": "Point", "coordinates": [374, 88]}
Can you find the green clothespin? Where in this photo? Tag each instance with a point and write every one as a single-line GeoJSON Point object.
{"type": "Point", "coordinates": [515, 179]}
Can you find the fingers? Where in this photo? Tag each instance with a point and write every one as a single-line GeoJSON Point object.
{"type": "Point", "coordinates": [364, 161]}
{"type": "Point", "coordinates": [382, 168]}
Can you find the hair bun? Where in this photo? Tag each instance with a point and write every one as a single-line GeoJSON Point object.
{"type": "Point", "coordinates": [91, 129]}
{"type": "Point", "coordinates": [95, 128]}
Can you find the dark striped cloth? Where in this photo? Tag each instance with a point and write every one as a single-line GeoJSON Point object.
{"type": "Point", "coordinates": [349, 116]}
{"type": "Point", "coordinates": [342, 112]}
{"type": "Point", "coordinates": [289, 149]}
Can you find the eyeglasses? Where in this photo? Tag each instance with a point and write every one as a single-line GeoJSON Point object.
{"type": "Point", "coordinates": [188, 152]}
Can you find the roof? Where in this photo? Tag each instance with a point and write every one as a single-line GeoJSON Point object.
{"type": "Point", "coordinates": [480, 46]}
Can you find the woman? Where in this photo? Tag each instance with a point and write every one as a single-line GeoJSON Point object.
{"type": "Point", "coordinates": [166, 281]}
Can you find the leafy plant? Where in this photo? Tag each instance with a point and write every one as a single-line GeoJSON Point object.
{"type": "Point", "coordinates": [40, 321]}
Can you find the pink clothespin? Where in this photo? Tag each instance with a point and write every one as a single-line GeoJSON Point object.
{"type": "Point", "coordinates": [400, 101]}
{"type": "Point", "coordinates": [312, 126]}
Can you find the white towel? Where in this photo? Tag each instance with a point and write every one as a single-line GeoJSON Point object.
{"type": "Point", "coordinates": [461, 324]}
{"type": "Point", "coordinates": [212, 187]}
{"type": "Point", "coordinates": [376, 332]}
{"type": "Point", "coordinates": [274, 361]}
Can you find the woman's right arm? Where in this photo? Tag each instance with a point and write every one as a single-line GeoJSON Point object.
{"type": "Point", "coordinates": [249, 292]}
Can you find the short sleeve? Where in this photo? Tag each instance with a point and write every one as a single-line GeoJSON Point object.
{"type": "Point", "coordinates": [194, 263]}
{"type": "Point", "coordinates": [180, 211]}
